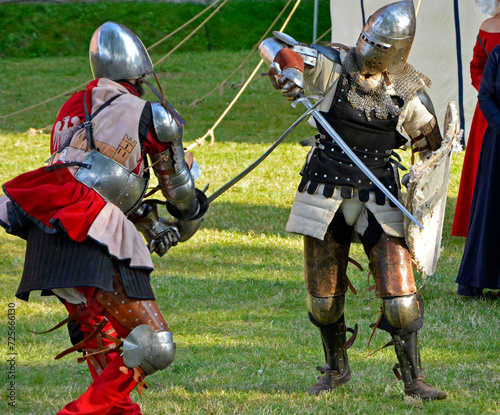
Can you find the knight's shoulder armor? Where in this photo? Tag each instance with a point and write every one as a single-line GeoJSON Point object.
{"type": "Point", "coordinates": [270, 47]}
{"type": "Point", "coordinates": [166, 128]}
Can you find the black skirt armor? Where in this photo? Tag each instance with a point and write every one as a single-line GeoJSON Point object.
{"type": "Point", "coordinates": [371, 140]}
{"type": "Point", "coordinates": [56, 261]}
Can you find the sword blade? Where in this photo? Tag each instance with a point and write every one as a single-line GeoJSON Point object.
{"type": "Point", "coordinates": [240, 176]}
{"type": "Point", "coordinates": [329, 129]}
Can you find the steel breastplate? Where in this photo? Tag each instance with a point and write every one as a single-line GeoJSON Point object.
{"type": "Point", "coordinates": [112, 181]}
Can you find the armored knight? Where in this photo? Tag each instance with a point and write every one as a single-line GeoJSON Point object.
{"type": "Point", "coordinates": [370, 95]}
{"type": "Point", "coordinates": [81, 217]}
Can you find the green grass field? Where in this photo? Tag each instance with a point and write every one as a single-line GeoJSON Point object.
{"type": "Point", "coordinates": [233, 295]}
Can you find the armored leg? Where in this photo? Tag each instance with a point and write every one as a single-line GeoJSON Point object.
{"type": "Point", "coordinates": [326, 283]}
{"type": "Point", "coordinates": [148, 343]}
{"type": "Point", "coordinates": [403, 311]}
{"type": "Point", "coordinates": [402, 318]}
{"type": "Point", "coordinates": [336, 371]}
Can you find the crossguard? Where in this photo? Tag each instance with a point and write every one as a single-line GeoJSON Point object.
{"type": "Point", "coordinates": [303, 98]}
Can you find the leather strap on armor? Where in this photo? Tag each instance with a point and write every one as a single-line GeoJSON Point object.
{"type": "Point", "coordinates": [430, 138]}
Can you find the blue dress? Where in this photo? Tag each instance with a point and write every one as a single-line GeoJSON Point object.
{"type": "Point", "coordinates": [480, 266]}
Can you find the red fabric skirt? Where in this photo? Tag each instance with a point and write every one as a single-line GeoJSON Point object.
{"type": "Point", "coordinates": [469, 171]}
{"type": "Point", "coordinates": [52, 197]}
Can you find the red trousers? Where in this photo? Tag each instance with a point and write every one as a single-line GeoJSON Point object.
{"type": "Point", "coordinates": [109, 393]}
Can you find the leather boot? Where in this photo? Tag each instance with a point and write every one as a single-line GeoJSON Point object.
{"type": "Point", "coordinates": [336, 370]}
{"type": "Point", "coordinates": [408, 354]}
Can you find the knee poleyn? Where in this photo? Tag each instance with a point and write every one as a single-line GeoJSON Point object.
{"type": "Point", "coordinates": [326, 310]}
{"type": "Point", "coordinates": [148, 349]}
{"type": "Point", "coordinates": [401, 312]}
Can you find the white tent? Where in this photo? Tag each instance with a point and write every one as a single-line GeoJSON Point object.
{"type": "Point", "coordinates": [434, 50]}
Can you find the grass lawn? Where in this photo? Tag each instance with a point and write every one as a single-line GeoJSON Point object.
{"type": "Point", "coordinates": [233, 295]}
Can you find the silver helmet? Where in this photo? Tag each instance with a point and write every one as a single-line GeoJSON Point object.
{"type": "Point", "coordinates": [386, 39]}
{"type": "Point", "coordinates": [117, 53]}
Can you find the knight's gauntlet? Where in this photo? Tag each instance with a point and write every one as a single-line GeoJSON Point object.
{"type": "Point", "coordinates": [160, 234]}
{"type": "Point", "coordinates": [286, 67]}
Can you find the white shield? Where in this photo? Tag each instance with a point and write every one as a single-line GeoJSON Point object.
{"type": "Point", "coordinates": [426, 197]}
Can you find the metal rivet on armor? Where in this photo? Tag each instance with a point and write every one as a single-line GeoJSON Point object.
{"type": "Point", "coordinates": [109, 303]}
{"type": "Point", "coordinates": [104, 180]}
{"type": "Point", "coordinates": [126, 194]}
{"type": "Point", "coordinates": [123, 302]}
{"type": "Point", "coordinates": [340, 162]}
{"type": "Point", "coordinates": [116, 312]}
{"type": "Point", "coordinates": [348, 179]}
{"type": "Point", "coordinates": [101, 295]}
{"type": "Point", "coordinates": [343, 152]}
{"type": "Point", "coordinates": [116, 293]}
{"type": "Point", "coordinates": [315, 174]}
{"type": "Point", "coordinates": [150, 320]}
{"type": "Point", "coordinates": [144, 311]}
{"type": "Point", "coordinates": [138, 302]}
{"type": "Point", "coordinates": [151, 304]}
{"type": "Point", "coordinates": [136, 319]}
{"type": "Point", "coordinates": [359, 181]}
{"type": "Point", "coordinates": [124, 320]}
{"type": "Point", "coordinates": [364, 156]}
{"type": "Point", "coordinates": [156, 314]}
{"type": "Point", "coordinates": [366, 149]}
{"type": "Point", "coordinates": [350, 164]}
{"type": "Point", "coordinates": [129, 311]}
{"type": "Point", "coordinates": [376, 158]}
{"type": "Point", "coordinates": [390, 187]}
{"type": "Point", "coordinates": [336, 177]}
{"type": "Point", "coordinates": [340, 100]}
{"type": "Point", "coordinates": [359, 115]}
{"type": "Point", "coordinates": [325, 176]}
{"type": "Point", "coordinates": [333, 149]}
{"type": "Point", "coordinates": [371, 183]}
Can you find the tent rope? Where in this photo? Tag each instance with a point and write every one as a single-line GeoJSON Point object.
{"type": "Point", "coordinates": [322, 36]}
{"type": "Point", "coordinates": [221, 86]}
{"type": "Point", "coordinates": [184, 25]}
{"type": "Point", "coordinates": [201, 140]}
{"type": "Point", "coordinates": [192, 33]}
{"type": "Point", "coordinates": [4, 117]}
{"type": "Point", "coordinates": [418, 7]}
